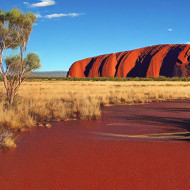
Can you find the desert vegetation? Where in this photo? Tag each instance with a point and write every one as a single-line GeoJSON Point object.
{"type": "Point", "coordinates": [161, 78]}
{"type": "Point", "coordinates": [38, 103]}
{"type": "Point", "coordinates": [15, 30]}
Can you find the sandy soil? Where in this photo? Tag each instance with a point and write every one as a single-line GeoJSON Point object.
{"type": "Point", "coordinates": [129, 147]}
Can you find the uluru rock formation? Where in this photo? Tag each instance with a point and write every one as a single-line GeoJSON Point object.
{"type": "Point", "coordinates": [170, 60]}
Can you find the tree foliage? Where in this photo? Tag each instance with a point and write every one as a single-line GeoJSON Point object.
{"type": "Point", "coordinates": [15, 30]}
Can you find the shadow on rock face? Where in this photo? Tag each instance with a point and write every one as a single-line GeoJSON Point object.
{"type": "Point", "coordinates": [182, 67]}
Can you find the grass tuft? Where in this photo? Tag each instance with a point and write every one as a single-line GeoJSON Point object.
{"type": "Point", "coordinates": [7, 141]}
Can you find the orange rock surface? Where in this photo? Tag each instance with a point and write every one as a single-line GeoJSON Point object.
{"type": "Point", "coordinates": [170, 60]}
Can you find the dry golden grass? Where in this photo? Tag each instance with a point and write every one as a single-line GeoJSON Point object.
{"type": "Point", "coordinates": [7, 139]}
{"type": "Point", "coordinates": [48, 101]}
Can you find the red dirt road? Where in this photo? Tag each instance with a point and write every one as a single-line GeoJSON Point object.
{"type": "Point", "coordinates": [102, 154]}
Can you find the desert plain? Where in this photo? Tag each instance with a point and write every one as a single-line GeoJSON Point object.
{"type": "Point", "coordinates": [103, 135]}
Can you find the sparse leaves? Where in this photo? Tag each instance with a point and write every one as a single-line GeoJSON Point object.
{"type": "Point", "coordinates": [2, 16]}
{"type": "Point", "coordinates": [15, 30]}
{"type": "Point", "coordinates": [32, 62]}
{"type": "Point", "coordinates": [13, 64]}
{"type": "Point", "coordinates": [31, 16]}
{"type": "Point", "coordinates": [22, 24]}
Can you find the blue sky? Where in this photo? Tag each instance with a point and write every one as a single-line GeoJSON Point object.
{"type": "Point", "coordinates": [70, 30]}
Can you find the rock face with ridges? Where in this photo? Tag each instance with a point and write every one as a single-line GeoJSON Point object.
{"type": "Point", "coordinates": [170, 60]}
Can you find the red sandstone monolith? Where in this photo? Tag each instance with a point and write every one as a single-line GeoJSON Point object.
{"type": "Point", "coordinates": [170, 60]}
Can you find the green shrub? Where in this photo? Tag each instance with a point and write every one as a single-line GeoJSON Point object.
{"type": "Point", "coordinates": [161, 78]}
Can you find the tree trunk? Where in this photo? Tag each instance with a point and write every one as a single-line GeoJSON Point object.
{"type": "Point", "coordinates": [10, 94]}
{"type": "Point", "coordinates": [10, 91]}
{"type": "Point", "coordinates": [3, 72]}
{"type": "Point", "coordinates": [5, 81]}
{"type": "Point", "coordinates": [10, 98]}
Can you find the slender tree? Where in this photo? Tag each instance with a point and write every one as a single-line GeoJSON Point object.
{"type": "Point", "coordinates": [8, 39]}
{"type": "Point", "coordinates": [18, 71]}
{"type": "Point", "coordinates": [15, 30]}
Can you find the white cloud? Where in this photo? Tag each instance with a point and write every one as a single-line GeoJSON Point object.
{"type": "Point", "coordinates": [44, 3]}
{"type": "Point", "coordinates": [26, 3]}
{"type": "Point", "coordinates": [75, 14]}
{"type": "Point", "coordinates": [187, 42]}
{"type": "Point", "coordinates": [170, 29]}
{"type": "Point", "coordinates": [63, 15]}
{"type": "Point", "coordinates": [55, 15]}
{"type": "Point", "coordinates": [38, 15]}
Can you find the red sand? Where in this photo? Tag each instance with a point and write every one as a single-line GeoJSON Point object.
{"type": "Point", "coordinates": [170, 60]}
{"type": "Point", "coordinates": [74, 155]}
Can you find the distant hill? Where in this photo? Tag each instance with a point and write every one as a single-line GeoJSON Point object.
{"type": "Point", "coordinates": [49, 74]}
